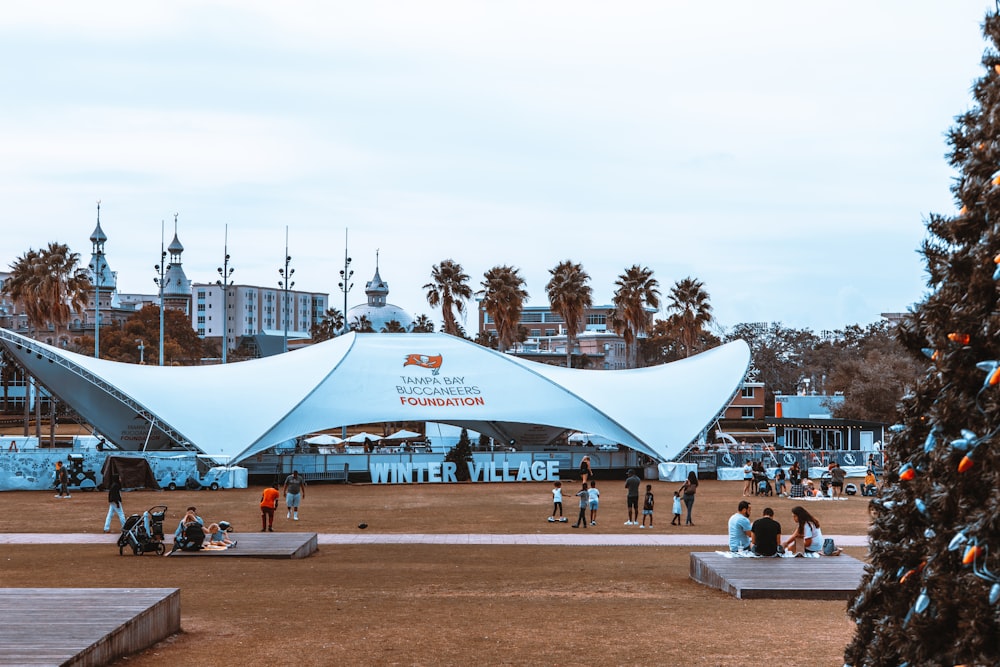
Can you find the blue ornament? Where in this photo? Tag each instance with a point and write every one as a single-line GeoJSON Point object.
{"type": "Point", "coordinates": [994, 593]}
{"type": "Point", "coordinates": [957, 541]}
{"type": "Point", "coordinates": [923, 601]}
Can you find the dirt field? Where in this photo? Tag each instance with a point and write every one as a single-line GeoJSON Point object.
{"type": "Point", "coordinates": [441, 605]}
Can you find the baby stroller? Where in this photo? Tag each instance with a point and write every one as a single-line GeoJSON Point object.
{"type": "Point", "coordinates": [144, 533]}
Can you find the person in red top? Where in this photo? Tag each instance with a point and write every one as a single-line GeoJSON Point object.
{"type": "Point", "coordinates": [268, 501]}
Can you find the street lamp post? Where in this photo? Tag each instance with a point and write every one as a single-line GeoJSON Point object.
{"type": "Point", "coordinates": [160, 281]}
{"type": "Point", "coordinates": [98, 274]}
{"type": "Point", "coordinates": [285, 284]}
{"type": "Point", "coordinates": [345, 287]}
{"type": "Point", "coordinates": [345, 284]}
{"type": "Point", "coordinates": [142, 349]}
{"type": "Point", "coordinates": [225, 272]}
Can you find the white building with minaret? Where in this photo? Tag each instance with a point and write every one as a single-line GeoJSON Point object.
{"type": "Point", "coordinates": [378, 311]}
{"type": "Point", "coordinates": [176, 286]}
{"type": "Point", "coordinates": [102, 302]}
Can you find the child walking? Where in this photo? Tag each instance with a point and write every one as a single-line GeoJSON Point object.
{"type": "Point", "coordinates": [677, 509]}
{"type": "Point", "coordinates": [647, 507]}
{"type": "Point", "coordinates": [557, 504]}
{"type": "Point", "coordinates": [584, 495]}
{"type": "Point", "coordinates": [593, 496]}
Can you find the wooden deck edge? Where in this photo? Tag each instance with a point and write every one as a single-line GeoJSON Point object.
{"type": "Point", "coordinates": [157, 622]}
{"type": "Point", "coordinates": [720, 577]}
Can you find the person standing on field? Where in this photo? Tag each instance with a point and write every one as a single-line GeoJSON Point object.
{"type": "Point", "coordinates": [268, 503]}
{"type": "Point", "coordinates": [115, 503]}
{"type": "Point", "coordinates": [294, 491]}
{"type": "Point", "coordinates": [632, 483]}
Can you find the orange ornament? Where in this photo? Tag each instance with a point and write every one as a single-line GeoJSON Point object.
{"type": "Point", "coordinates": [965, 464]}
{"type": "Point", "coordinates": [971, 554]}
{"type": "Point", "coordinates": [960, 338]}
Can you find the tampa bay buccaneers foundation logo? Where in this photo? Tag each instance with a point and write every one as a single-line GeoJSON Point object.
{"type": "Point", "coordinates": [431, 361]}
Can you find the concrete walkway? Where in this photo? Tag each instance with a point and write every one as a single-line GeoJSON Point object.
{"type": "Point", "coordinates": [643, 538]}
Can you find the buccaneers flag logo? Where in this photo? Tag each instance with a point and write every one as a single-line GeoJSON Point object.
{"type": "Point", "coordinates": [432, 362]}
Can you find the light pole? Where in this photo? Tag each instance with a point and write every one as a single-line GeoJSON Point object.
{"type": "Point", "coordinates": [345, 287]}
{"type": "Point", "coordinates": [285, 284]}
{"type": "Point", "coordinates": [225, 271]}
{"type": "Point", "coordinates": [98, 276]}
{"type": "Point", "coordinates": [161, 269]}
{"type": "Point", "coordinates": [345, 282]}
{"type": "Point", "coordinates": [142, 349]}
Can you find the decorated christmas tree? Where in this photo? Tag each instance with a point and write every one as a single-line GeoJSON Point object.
{"type": "Point", "coordinates": [931, 595]}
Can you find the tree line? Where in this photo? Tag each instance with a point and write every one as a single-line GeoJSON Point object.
{"type": "Point", "coordinates": [867, 365]}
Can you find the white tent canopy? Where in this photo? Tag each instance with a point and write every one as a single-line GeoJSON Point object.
{"type": "Point", "coordinates": [361, 437]}
{"type": "Point", "coordinates": [242, 408]}
{"type": "Point", "coordinates": [323, 439]}
{"type": "Point", "coordinates": [403, 435]}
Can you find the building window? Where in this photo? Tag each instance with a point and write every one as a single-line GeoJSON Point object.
{"type": "Point", "coordinates": [747, 413]}
{"type": "Point", "coordinates": [748, 392]}
{"type": "Point", "coordinates": [550, 332]}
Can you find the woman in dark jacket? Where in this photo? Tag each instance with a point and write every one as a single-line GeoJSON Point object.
{"type": "Point", "coordinates": [114, 503]}
{"type": "Point", "coordinates": [687, 491]}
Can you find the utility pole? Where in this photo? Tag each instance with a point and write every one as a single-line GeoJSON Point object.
{"type": "Point", "coordinates": [225, 271]}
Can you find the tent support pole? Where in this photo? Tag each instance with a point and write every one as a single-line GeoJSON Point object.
{"type": "Point", "coordinates": [149, 434]}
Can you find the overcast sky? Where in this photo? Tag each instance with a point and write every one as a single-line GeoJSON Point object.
{"type": "Point", "coordinates": [784, 153]}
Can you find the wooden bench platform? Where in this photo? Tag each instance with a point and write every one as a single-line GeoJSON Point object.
{"type": "Point", "coordinates": [827, 578]}
{"type": "Point", "coordinates": [83, 626]}
{"type": "Point", "coordinates": [262, 545]}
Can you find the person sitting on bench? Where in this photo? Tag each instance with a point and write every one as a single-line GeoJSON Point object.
{"type": "Point", "coordinates": [766, 535]}
{"type": "Point", "coordinates": [807, 538]}
{"type": "Point", "coordinates": [739, 528]}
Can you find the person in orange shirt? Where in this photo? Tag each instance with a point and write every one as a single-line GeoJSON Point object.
{"type": "Point", "coordinates": [268, 502]}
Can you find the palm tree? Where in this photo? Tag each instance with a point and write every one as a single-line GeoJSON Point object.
{"type": "Point", "coordinates": [422, 324]}
{"type": "Point", "coordinates": [637, 289]}
{"type": "Point", "coordinates": [393, 326]}
{"type": "Point", "coordinates": [503, 298]}
{"type": "Point", "coordinates": [449, 288]}
{"type": "Point", "coordinates": [362, 325]}
{"type": "Point", "coordinates": [49, 285]}
{"type": "Point", "coordinates": [327, 328]}
{"type": "Point", "coordinates": [570, 296]}
{"type": "Point", "coordinates": [8, 373]}
{"type": "Point", "coordinates": [688, 305]}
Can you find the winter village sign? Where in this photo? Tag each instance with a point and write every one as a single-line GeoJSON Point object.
{"type": "Point", "coordinates": [443, 472]}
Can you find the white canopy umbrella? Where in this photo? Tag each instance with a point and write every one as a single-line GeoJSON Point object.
{"type": "Point", "coordinates": [403, 435]}
{"type": "Point", "coordinates": [361, 437]}
{"type": "Point", "coordinates": [324, 439]}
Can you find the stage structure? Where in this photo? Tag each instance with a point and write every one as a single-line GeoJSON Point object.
{"type": "Point", "coordinates": [237, 410]}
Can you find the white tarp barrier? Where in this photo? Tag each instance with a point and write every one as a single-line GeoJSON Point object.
{"type": "Point", "coordinates": [368, 378]}
{"type": "Point", "coordinates": [676, 472]}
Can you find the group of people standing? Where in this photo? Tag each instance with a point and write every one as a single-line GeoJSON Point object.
{"type": "Point", "coordinates": [589, 500]}
{"type": "Point", "coordinates": [294, 490]}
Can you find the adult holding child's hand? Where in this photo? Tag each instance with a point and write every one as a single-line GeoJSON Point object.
{"type": "Point", "coordinates": [688, 491]}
